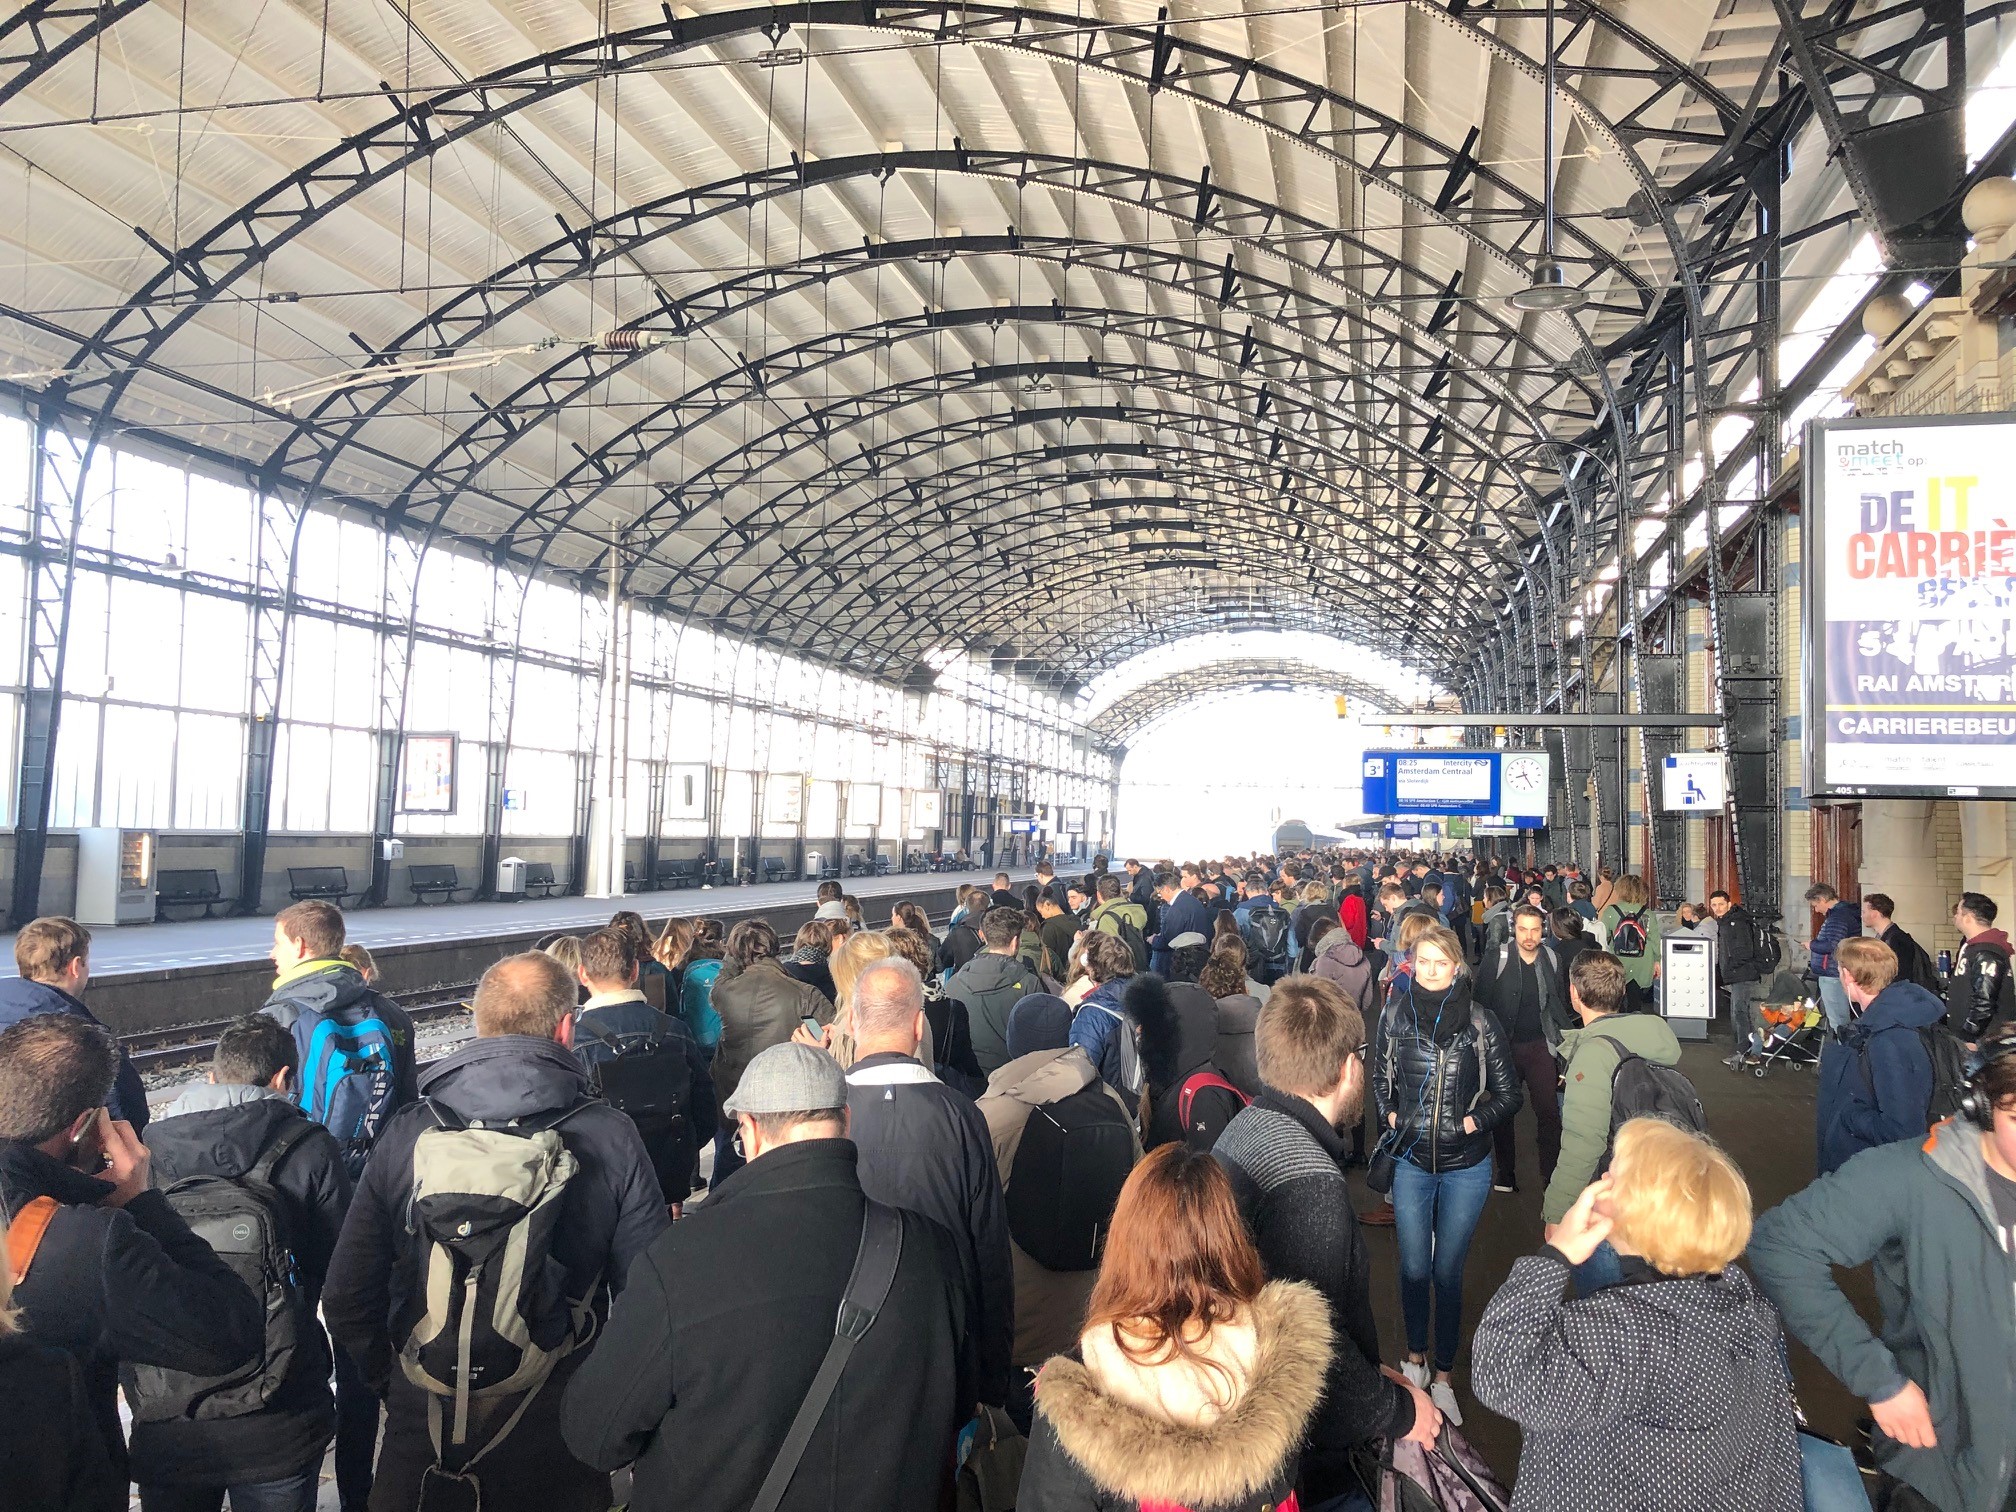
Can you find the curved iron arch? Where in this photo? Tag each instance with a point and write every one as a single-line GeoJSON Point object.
{"type": "Point", "coordinates": [246, 237]}
{"type": "Point", "coordinates": [23, 38]}
{"type": "Point", "coordinates": [1241, 495]}
{"type": "Point", "coordinates": [833, 346]}
{"type": "Point", "coordinates": [1146, 706]}
{"type": "Point", "coordinates": [478, 308]}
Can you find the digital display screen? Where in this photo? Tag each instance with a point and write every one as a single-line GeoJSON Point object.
{"type": "Point", "coordinates": [1470, 784]}
{"type": "Point", "coordinates": [1910, 567]}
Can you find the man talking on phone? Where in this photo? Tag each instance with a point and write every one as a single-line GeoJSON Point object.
{"type": "Point", "coordinates": [104, 1268]}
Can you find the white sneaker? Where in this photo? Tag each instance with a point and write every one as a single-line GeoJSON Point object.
{"type": "Point", "coordinates": [1418, 1375]}
{"type": "Point", "coordinates": [1443, 1395]}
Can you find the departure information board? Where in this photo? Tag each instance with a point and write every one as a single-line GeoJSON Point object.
{"type": "Point", "coordinates": [1478, 784]}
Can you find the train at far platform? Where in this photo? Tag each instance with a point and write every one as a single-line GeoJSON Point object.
{"type": "Point", "coordinates": [1293, 836]}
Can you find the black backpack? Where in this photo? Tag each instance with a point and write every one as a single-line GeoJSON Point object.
{"type": "Point", "coordinates": [1074, 1157]}
{"type": "Point", "coordinates": [1266, 935]}
{"type": "Point", "coordinates": [245, 1222]}
{"type": "Point", "coordinates": [1134, 939]}
{"type": "Point", "coordinates": [1949, 1071]}
{"type": "Point", "coordinates": [1770, 949]}
{"type": "Point", "coordinates": [647, 1077]}
{"type": "Point", "coordinates": [1630, 938]}
{"type": "Point", "coordinates": [1640, 1088]}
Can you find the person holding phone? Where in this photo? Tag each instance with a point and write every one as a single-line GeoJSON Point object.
{"type": "Point", "coordinates": [105, 1268]}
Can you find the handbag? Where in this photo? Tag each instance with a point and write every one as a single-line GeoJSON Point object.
{"type": "Point", "coordinates": [1380, 1168]}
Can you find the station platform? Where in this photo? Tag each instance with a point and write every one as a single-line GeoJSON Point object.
{"type": "Point", "coordinates": [155, 976]}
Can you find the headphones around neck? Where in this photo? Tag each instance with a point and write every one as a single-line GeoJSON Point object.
{"type": "Point", "coordinates": [1975, 1104]}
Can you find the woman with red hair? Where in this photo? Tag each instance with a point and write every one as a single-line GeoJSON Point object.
{"type": "Point", "coordinates": [1194, 1378]}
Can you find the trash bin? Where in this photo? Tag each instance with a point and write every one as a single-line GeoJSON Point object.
{"type": "Point", "coordinates": [510, 878]}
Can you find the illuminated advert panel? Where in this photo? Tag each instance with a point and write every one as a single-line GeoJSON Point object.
{"type": "Point", "coordinates": [1479, 784]}
{"type": "Point", "coordinates": [1910, 562]}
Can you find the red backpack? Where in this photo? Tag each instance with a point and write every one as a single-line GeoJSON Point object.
{"type": "Point", "coordinates": [1202, 1125]}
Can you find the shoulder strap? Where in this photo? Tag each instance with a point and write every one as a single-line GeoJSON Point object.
{"type": "Point", "coordinates": [24, 1234]}
{"type": "Point", "coordinates": [867, 1289]}
{"type": "Point", "coordinates": [281, 1145]}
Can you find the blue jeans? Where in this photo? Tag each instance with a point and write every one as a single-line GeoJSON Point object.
{"type": "Point", "coordinates": [296, 1493]}
{"type": "Point", "coordinates": [1834, 1002]}
{"type": "Point", "coordinates": [1601, 1269]}
{"type": "Point", "coordinates": [1434, 1215]}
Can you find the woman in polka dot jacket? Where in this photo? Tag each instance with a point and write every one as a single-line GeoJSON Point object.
{"type": "Point", "coordinates": [1667, 1392]}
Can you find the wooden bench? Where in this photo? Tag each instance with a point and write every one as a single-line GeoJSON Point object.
{"type": "Point", "coordinates": [433, 880]}
{"type": "Point", "coordinates": [187, 889]}
{"type": "Point", "coordinates": [773, 869]}
{"type": "Point", "coordinates": [678, 874]}
{"type": "Point", "coordinates": [329, 883]}
{"type": "Point", "coordinates": [540, 874]}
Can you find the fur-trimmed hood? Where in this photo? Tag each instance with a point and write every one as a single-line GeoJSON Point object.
{"type": "Point", "coordinates": [1144, 1455]}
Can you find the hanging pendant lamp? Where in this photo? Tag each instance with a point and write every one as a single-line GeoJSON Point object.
{"type": "Point", "coordinates": [1550, 289]}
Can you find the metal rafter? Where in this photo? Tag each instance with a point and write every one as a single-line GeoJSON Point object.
{"type": "Point", "coordinates": [1140, 708]}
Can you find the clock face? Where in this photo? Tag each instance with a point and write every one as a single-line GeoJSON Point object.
{"type": "Point", "coordinates": [1525, 774]}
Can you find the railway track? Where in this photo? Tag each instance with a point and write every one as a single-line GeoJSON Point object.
{"type": "Point", "coordinates": [160, 1050]}
{"type": "Point", "coordinates": [155, 1050]}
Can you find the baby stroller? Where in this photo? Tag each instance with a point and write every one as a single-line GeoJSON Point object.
{"type": "Point", "coordinates": [1792, 1034]}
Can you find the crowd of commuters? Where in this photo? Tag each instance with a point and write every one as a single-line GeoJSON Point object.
{"type": "Point", "coordinates": [835, 1221]}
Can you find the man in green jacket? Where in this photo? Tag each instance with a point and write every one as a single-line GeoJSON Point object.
{"type": "Point", "coordinates": [1596, 992]}
{"type": "Point", "coordinates": [1112, 908]}
{"type": "Point", "coordinates": [1937, 1218]}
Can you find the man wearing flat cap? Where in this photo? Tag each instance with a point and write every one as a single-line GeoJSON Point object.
{"type": "Point", "coordinates": [714, 1343]}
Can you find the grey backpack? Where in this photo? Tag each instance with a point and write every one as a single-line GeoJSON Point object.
{"type": "Point", "coordinates": [486, 1202]}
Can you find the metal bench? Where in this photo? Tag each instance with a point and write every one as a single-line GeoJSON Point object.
{"type": "Point", "coordinates": [678, 874]}
{"type": "Point", "coordinates": [540, 874]}
{"type": "Point", "coordinates": [858, 865]}
{"type": "Point", "coordinates": [634, 879]}
{"type": "Point", "coordinates": [433, 880]}
{"type": "Point", "coordinates": [882, 866]}
{"type": "Point", "coordinates": [187, 889]}
{"type": "Point", "coordinates": [774, 869]}
{"type": "Point", "coordinates": [329, 883]}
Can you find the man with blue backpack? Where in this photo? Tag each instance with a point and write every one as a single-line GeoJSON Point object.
{"type": "Point", "coordinates": [356, 1069]}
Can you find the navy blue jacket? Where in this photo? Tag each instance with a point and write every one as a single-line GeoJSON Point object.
{"type": "Point", "coordinates": [21, 998]}
{"type": "Point", "coordinates": [1843, 922]}
{"type": "Point", "coordinates": [1876, 1079]}
{"type": "Point", "coordinates": [1180, 915]}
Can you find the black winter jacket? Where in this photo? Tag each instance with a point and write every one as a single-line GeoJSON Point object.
{"type": "Point", "coordinates": [1981, 997]}
{"type": "Point", "coordinates": [952, 1040]}
{"type": "Point", "coordinates": [715, 1341]}
{"type": "Point", "coordinates": [1287, 1170]}
{"type": "Point", "coordinates": [21, 998]}
{"type": "Point", "coordinates": [1664, 1394]}
{"type": "Point", "coordinates": [52, 1455]}
{"type": "Point", "coordinates": [131, 1283]}
{"type": "Point", "coordinates": [1736, 933]}
{"type": "Point", "coordinates": [1179, 1038]}
{"type": "Point", "coordinates": [1438, 1060]}
{"type": "Point", "coordinates": [612, 1210]}
{"type": "Point", "coordinates": [222, 1131]}
{"type": "Point", "coordinates": [925, 1147]}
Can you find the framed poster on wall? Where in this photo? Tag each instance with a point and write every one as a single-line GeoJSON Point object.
{"type": "Point", "coordinates": [1910, 607]}
{"type": "Point", "coordinates": [784, 798]}
{"type": "Point", "coordinates": [686, 790]}
{"type": "Point", "coordinates": [427, 774]}
{"type": "Point", "coordinates": [927, 810]}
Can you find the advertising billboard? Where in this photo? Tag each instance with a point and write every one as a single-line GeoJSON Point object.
{"type": "Point", "coordinates": [1479, 784]}
{"type": "Point", "coordinates": [427, 774]}
{"type": "Point", "coordinates": [1910, 560]}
